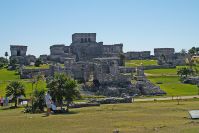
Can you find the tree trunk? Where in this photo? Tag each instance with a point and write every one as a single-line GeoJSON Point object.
{"type": "Point", "coordinates": [15, 103]}
{"type": "Point", "coordinates": [67, 106]}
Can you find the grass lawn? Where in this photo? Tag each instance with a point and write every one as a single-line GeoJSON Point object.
{"type": "Point", "coordinates": [8, 75]}
{"type": "Point", "coordinates": [173, 86]}
{"type": "Point", "coordinates": [167, 71]}
{"type": "Point", "coordinates": [170, 82]}
{"type": "Point", "coordinates": [127, 118]}
{"type": "Point", "coordinates": [134, 63]}
{"type": "Point", "coordinates": [26, 83]}
{"type": "Point", "coordinates": [170, 71]}
{"type": "Point", "coordinates": [44, 66]}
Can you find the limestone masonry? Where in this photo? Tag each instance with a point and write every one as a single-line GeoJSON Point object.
{"type": "Point", "coordinates": [87, 60]}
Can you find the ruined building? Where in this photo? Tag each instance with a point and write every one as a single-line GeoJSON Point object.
{"type": "Point", "coordinates": [18, 53]}
{"type": "Point", "coordinates": [89, 61]}
{"type": "Point", "coordinates": [84, 48]}
{"type": "Point", "coordinates": [168, 56]}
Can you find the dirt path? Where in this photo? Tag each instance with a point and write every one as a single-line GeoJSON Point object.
{"type": "Point", "coordinates": [165, 98]}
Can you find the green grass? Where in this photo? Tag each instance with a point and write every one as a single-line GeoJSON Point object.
{"type": "Point", "coordinates": [27, 84]}
{"type": "Point", "coordinates": [173, 86]}
{"type": "Point", "coordinates": [166, 71]}
{"type": "Point", "coordinates": [140, 117]}
{"type": "Point", "coordinates": [8, 75]}
{"type": "Point", "coordinates": [170, 71]}
{"type": "Point", "coordinates": [134, 63]}
{"type": "Point", "coordinates": [44, 66]}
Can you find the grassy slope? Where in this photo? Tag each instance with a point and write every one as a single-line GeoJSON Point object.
{"type": "Point", "coordinates": [173, 86]}
{"type": "Point", "coordinates": [168, 77]}
{"type": "Point", "coordinates": [7, 76]}
{"type": "Point", "coordinates": [45, 66]}
{"type": "Point", "coordinates": [134, 63]}
{"type": "Point", "coordinates": [128, 118]}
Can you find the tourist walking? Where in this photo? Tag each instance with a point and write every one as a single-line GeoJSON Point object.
{"type": "Point", "coordinates": [48, 100]}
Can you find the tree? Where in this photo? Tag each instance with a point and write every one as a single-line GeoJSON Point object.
{"type": "Point", "coordinates": [3, 62]}
{"type": "Point", "coordinates": [183, 52]}
{"type": "Point", "coordinates": [13, 63]}
{"type": "Point", "coordinates": [38, 62]}
{"type": "Point", "coordinates": [36, 93]}
{"type": "Point", "coordinates": [39, 100]}
{"type": "Point", "coordinates": [15, 89]}
{"type": "Point", "coordinates": [192, 51]}
{"type": "Point", "coordinates": [184, 72]}
{"type": "Point", "coordinates": [62, 87]}
{"type": "Point", "coordinates": [6, 55]}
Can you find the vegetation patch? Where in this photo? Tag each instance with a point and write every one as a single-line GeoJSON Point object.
{"type": "Point", "coordinates": [173, 86]}
{"type": "Point", "coordinates": [135, 63]}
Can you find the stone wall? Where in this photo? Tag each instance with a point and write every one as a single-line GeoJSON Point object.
{"type": "Point", "coordinates": [60, 53]}
{"type": "Point", "coordinates": [57, 49]}
{"type": "Point", "coordinates": [137, 55]}
{"type": "Point", "coordinates": [163, 51]}
{"type": "Point", "coordinates": [43, 58]}
{"type": "Point", "coordinates": [168, 56]}
{"type": "Point", "coordinates": [87, 51]}
{"type": "Point", "coordinates": [29, 59]}
{"type": "Point", "coordinates": [158, 67]}
{"type": "Point", "coordinates": [111, 49]}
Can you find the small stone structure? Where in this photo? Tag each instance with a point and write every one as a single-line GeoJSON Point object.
{"type": "Point", "coordinates": [165, 56]}
{"type": "Point", "coordinates": [145, 86]}
{"type": "Point", "coordinates": [106, 71]}
{"type": "Point", "coordinates": [18, 53]}
{"type": "Point", "coordinates": [192, 80]}
{"type": "Point", "coordinates": [168, 56]}
{"type": "Point", "coordinates": [43, 58]}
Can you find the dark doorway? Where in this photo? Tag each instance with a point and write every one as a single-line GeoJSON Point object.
{"type": "Point", "coordinates": [18, 53]}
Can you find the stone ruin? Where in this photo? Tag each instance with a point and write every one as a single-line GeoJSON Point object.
{"type": "Point", "coordinates": [168, 56]}
{"type": "Point", "coordinates": [18, 53]}
{"type": "Point", "coordinates": [108, 80]}
{"type": "Point", "coordinates": [92, 62]}
{"type": "Point", "coordinates": [83, 48]}
{"type": "Point", "coordinates": [138, 55]}
{"type": "Point", "coordinates": [144, 85]}
{"type": "Point", "coordinates": [165, 56]}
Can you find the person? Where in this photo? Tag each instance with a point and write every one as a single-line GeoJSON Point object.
{"type": "Point", "coordinates": [1, 101]}
{"type": "Point", "coordinates": [48, 100]}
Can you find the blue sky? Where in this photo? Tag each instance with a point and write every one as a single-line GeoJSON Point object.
{"type": "Point", "coordinates": [138, 24]}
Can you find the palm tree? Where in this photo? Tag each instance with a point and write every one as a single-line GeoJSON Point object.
{"type": "Point", "coordinates": [15, 89]}
{"type": "Point", "coordinates": [62, 87]}
{"type": "Point", "coordinates": [35, 81]}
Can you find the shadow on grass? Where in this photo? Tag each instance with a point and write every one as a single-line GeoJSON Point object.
{"type": "Point", "coordinates": [8, 108]}
{"type": "Point", "coordinates": [61, 113]}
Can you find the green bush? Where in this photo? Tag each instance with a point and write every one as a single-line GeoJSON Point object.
{"type": "Point", "coordinates": [38, 100]}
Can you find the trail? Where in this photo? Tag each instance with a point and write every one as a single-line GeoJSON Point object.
{"type": "Point", "coordinates": [164, 98]}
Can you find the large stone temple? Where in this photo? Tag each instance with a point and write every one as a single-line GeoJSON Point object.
{"type": "Point", "coordinates": [84, 48]}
